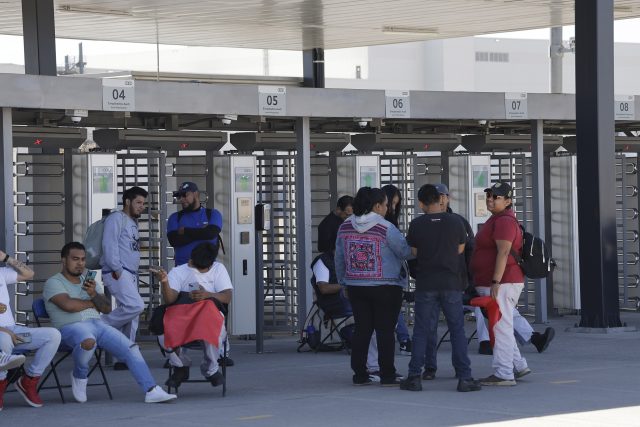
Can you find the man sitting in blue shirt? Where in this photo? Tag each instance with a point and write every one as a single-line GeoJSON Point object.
{"type": "Point", "coordinates": [192, 225]}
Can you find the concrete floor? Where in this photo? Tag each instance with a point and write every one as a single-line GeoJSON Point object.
{"type": "Point", "coordinates": [581, 380]}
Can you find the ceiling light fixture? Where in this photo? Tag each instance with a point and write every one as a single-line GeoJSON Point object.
{"type": "Point", "coordinates": [419, 31]}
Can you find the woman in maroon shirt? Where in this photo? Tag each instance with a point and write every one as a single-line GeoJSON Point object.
{"type": "Point", "coordinates": [496, 273]}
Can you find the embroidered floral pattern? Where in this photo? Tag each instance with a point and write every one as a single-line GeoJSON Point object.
{"type": "Point", "coordinates": [363, 258]}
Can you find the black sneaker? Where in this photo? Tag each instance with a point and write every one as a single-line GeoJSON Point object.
{"type": "Point", "coordinates": [216, 379]}
{"type": "Point", "coordinates": [120, 366]}
{"type": "Point", "coordinates": [493, 380]}
{"type": "Point", "coordinates": [411, 383]}
{"type": "Point", "coordinates": [178, 375]}
{"type": "Point", "coordinates": [468, 384]}
{"type": "Point", "coordinates": [227, 361]}
{"type": "Point", "coordinates": [542, 341]}
{"type": "Point", "coordinates": [522, 373]}
{"type": "Point", "coordinates": [405, 348]}
{"type": "Point", "coordinates": [429, 374]}
{"type": "Point", "coordinates": [391, 383]}
{"type": "Point", "coordinates": [485, 348]}
{"type": "Point", "coordinates": [365, 381]}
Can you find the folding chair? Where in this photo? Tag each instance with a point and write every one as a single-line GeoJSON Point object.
{"type": "Point", "coordinates": [40, 313]}
{"type": "Point", "coordinates": [197, 345]}
{"type": "Point", "coordinates": [328, 313]}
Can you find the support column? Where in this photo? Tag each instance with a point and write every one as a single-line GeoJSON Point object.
{"type": "Point", "coordinates": [595, 158]}
{"type": "Point", "coordinates": [313, 67]}
{"type": "Point", "coordinates": [537, 186]}
{"type": "Point", "coordinates": [7, 231]}
{"type": "Point", "coordinates": [38, 27]}
{"type": "Point", "coordinates": [303, 216]}
{"type": "Point", "coordinates": [556, 54]}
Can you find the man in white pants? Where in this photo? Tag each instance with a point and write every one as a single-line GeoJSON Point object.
{"type": "Point", "coordinates": [120, 261]}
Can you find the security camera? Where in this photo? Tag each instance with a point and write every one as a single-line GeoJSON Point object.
{"type": "Point", "coordinates": [363, 123]}
{"type": "Point", "coordinates": [482, 122]}
{"type": "Point", "coordinates": [76, 119]}
{"type": "Point", "coordinates": [228, 118]}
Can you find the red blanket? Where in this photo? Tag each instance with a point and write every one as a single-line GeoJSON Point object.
{"type": "Point", "coordinates": [493, 313]}
{"type": "Point", "coordinates": [185, 323]}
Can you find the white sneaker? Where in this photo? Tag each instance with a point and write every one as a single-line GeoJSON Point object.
{"type": "Point", "coordinates": [10, 361]}
{"type": "Point", "coordinates": [157, 395]}
{"type": "Point", "coordinates": [79, 388]}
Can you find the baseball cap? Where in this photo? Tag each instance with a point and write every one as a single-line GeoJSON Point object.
{"type": "Point", "coordinates": [442, 189]}
{"type": "Point", "coordinates": [500, 188]}
{"type": "Point", "coordinates": [184, 188]}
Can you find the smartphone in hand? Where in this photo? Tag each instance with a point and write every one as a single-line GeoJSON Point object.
{"type": "Point", "coordinates": [91, 275]}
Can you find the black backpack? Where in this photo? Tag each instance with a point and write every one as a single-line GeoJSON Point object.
{"type": "Point", "coordinates": [534, 261]}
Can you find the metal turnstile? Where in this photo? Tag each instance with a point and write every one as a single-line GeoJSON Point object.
{"type": "Point", "coordinates": [40, 228]}
{"type": "Point", "coordinates": [276, 186]}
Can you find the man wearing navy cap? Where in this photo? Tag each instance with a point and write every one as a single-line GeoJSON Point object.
{"type": "Point", "coordinates": [192, 225]}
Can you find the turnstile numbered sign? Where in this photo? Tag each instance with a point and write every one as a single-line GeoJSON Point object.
{"type": "Point", "coordinates": [118, 95]}
{"type": "Point", "coordinates": [272, 100]}
{"type": "Point", "coordinates": [515, 105]}
{"type": "Point", "coordinates": [397, 104]}
{"type": "Point", "coordinates": [625, 108]}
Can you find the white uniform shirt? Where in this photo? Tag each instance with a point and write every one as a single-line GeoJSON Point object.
{"type": "Point", "coordinates": [8, 276]}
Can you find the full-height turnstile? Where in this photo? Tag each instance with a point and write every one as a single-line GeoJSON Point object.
{"type": "Point", "coordinates": [565, 224]}
{"type": "Point", "coordinates": [43, 200]}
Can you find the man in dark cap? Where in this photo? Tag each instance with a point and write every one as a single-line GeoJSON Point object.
{"type": "Point", "coordinates": [192, 225]}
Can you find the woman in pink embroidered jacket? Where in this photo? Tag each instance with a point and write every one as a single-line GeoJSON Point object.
{"type": "Point", "coordinates": [369, 261]}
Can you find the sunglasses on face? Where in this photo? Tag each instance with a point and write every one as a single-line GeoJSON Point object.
{"type": "Point", "coordinates": [494, 196]}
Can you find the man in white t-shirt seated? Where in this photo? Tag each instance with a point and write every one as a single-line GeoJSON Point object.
{"type": "Point", "coordinates": [202, 278]}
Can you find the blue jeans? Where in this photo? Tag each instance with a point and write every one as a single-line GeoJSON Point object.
{"type": "Point", "coordinates": [112, 341]}
{"type": "Point", "coordinates": [44, 341]}
{"type": "Point", "coordinates": [427, 310]}
{"type": "Point", "coordinates": [402, 332]}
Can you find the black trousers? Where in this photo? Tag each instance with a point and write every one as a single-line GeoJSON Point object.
{"type": "Point", "coordinates": [375, 308]}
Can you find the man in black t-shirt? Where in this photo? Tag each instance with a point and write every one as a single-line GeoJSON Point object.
{"type": "Point", "coordinates": [437, 239]}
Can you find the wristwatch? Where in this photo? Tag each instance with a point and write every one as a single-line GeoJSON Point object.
{"type": "Point", "coordinates": [495, 282]}
{"type": "Point", "coordinates": [6, 258]}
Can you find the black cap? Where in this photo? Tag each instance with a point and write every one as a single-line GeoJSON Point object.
{"type": "Point", "coordinates": [500, 188]}
{"type": "Point", "coordinates": [442, 189]}
{"type": "Point", "coordinates": [184, 188]}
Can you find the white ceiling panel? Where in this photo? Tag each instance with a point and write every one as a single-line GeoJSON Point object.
{"type": "Point", "coordinates": [298, 24]}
